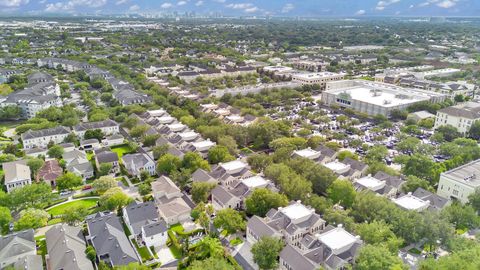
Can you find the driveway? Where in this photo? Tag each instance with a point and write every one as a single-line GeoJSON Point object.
{"type": "Point", "coordinates": [164, 255]}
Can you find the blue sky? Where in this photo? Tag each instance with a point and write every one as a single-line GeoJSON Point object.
{"type": "Point", "coordinates": [315, 8]}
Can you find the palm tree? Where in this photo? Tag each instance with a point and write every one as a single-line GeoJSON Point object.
{"type": "Point", "coordinates": [210, 247]}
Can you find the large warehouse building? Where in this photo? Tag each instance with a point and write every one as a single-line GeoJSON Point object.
{"type": "Point", "coordinates": [375, 98]}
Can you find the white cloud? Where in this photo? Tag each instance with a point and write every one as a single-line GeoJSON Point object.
{"type": "Point", "coordinates": [166, 5]}
{"type": "Point", "coordinates": [134, 8]}
{"type": "Point", "coordinates": [246, 7]}
{"type": "Point", "coordinates": [199, 3]}
{"type": "Point", "coordinates": [412, 6]}
{"type": "Point", "coordinates": [287, 8]}
{"type": "Point", "coordinates": [381, 5]}
{"type": "Point", "coordinates": [251, 10]}
{"type": "Point", "coordinates": [220, 1]}
{"type": "Point", "coordinates": [13, 3]}
{"type": "Point", "coordinates": [360, 12]}
{"type": "Point", "coordinates": [181, 3]}
{"type": "Point", "coordinates": [121, 2]}
{"type": "Point", "coordinates": [447, 3]}
{"type": "Point", "coordinates": [72, 4]}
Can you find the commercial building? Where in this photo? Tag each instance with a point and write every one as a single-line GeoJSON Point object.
{"type": "Point", "coordinates": [375, 98]}
{"type": "Point", "coordinates": [320, 78]}
{"type": "Point", "coordinates": [460, 116]}
{"type": "Point", "coordinates": [460, 182]}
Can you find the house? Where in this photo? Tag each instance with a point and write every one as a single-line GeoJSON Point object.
{"type": "Point", "coordinates": [421, 115]}
{"type": "Point", "coordinates": [138, 162]}
{"type": "Point", "coordinates": [115, 139]}
{"type": "Point", "coordinates": [436, 202]}
{"type": "Point", "coordinates": [89, 144]}
{"type": "Point", "coordinates": [76, 161]}
{"type": "Point", "coordinates": [106, 234]}
{"type": "Point", "coordinates": [66, 248]}
{"type": "Point", "coordinates": [200, 175]}
{"type": "Point", "coordinates": [104, 155]}
{"type": "Point", "coordinates": [41, 138]}
{"type": "Point", "coordinates": [326, 154]}
{"type": "Point", "coordinates": [356, 168]}
{"type": "Point", "coordinates": [36, 152]}
{"type": "Point", "coordinates": [411, 202]}
{"type": "Point", "coordinates": [169, 200]}
{"type": "Point", "coordinates": [381, 183]}
{"type": "Point", "coordinates": [17, 174]}
{"type": "Point", "coordinates": [143, 221]}
{"type": "Point", "coordinates": [293, 222]}
{"type": "Point", "coordinates": [67, 147]}
{"type": "Point", "coordinates": [460, 116]}
{"type": "Point", "coordinates": [460, 182]}
{"type": "Point", "coordinates": [233, 196]}
{"type": "Point", "coordinates": [334, 248]}
{"type": "Point", "coordinates": [49, 172]}
{"type": "Point", "coordinates": [108, 127]}
{"type": "Point", "coordinates": [29, 262]}
{"type": "Point", "coordinates": [17, 247]}
{"type": "Point", "coordinates": [229, 172]}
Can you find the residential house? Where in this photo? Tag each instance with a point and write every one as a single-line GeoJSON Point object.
{"type": "Point", "coordinates": [143, 221]}
{"type": "Point", "coordinates": [200, 175]}
{"type": "Point", "coordinates": [49, 172]}
{"type": "Point", "coordinates": [381, 183]}
{"type": "Point", "coordinates": [41, 138]}
{"type": "Point", "coordinates": [106, 234]}
{"type": "Point", "coordinates": [104, 155]}
{"type": "Point", "coordinates": [76, 161]}
{"type": "Point", "coordinates": [332, 249]}
{"type": "Point", "coordinates": [138, 162]}
{"type": "Point", "coordinates": [115, 139]}
{"type": "Point", "coordinates": [66, 248]}
{"type": "Point", "coordinates": [90, 144]}
{"type": "Point", "coordinates": [16, 174]}
{"type": "Point", "coordinates": [108, 127]}
{"type": "Point", "coordinates": [17, 248]}
{"type": "Point", "coordinates": [460, 116]}
{"type": "Point", "coordinates": [169, 200]}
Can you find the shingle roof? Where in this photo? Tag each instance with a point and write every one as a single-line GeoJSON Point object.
{"type": "Point", "coordinates": [141, 214]}
{"type": "Point", "coordinates": [95, 125]}
{"type": "Point", "coordinates": [15, 244]}
{"type": "Point", "coordinates": [31, 134]}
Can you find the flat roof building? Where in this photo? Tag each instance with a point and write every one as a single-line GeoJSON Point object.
{"type": "Point", "coordinates": [460, 182]}
{"type": "Point", "coordinates": [375, 98]}
{"type": "Point", "coordinates": [320, 78]}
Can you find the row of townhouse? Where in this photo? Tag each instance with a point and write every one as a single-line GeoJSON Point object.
{"type": "Point", "coordinates": [124, 92]}
{"type": "Point", "coordinates": [41, 138]}
{"type": "Point", "coordinates": [228, 114]}
{"type": "Point", "coordinates": [41, 93]}
{"type": "Point", "coordinates": [189, 76]}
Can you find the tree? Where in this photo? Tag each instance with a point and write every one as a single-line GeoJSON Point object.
{"type": "Point", "coordinates": [159, 151]}
{"type": "Point", "coordinates": [474, 131]}
{"type": "Point", "coordinates": [266, 251]}
{"type": "Point", "coordinates": [31, 218]}
{"type": "Point", "coordinates": [209, 247]}
{"type": "Point", "coordinates": [342, 191]}
{"type": "Point", "coordinates": [474, 200]}
{"type": "Point", "coordinates": [468, 258]}
{"type": "Point", "coordinates": [91, 253]}
{"type": "Point", "coordinates": [132, 266]}
{"type": "Point", "coordinates": [75, 215]}
{"type": "Point", "coordinates": [114, 199]}
{"type": "Point", "coordinates": [94, 134]}
{"type": "Point", "coordinates": [31, 196]}
{"type": "Point", "coordinates": [144, 189]}
{"type": "Point", "coordinates": [462, 216]}
{"type": "Point", "coordinates": [181, 178]}
{"type": "Point", "coordinates": [262, 200]}
{"type": "Point", "coordinates": [104, 183]}
{"type": "Point", "coordinates": [212, 263]}
{"type": "Point", "coordinates": [150, 140]}
{"type": "Point", "coordinates": [68, 181]}
{"type": "Point", "coordinates": [201, 190]}
{"type": "Point", "coordinates": [219, 153]}
{"type": "Point", "coordinates": [138, 131]}
{"type": "Point", "coordinates": [449, 132]}
{"type": "Point", "coordinates": [230, 220]}
{"type": "Point", "coordinates": [379, 233]}
{"type": "Point", "coordinates": [413, 182]}
{"type": "Point", "coordinates": [421, 166]}
{"type": "Point", "coordinates": [344, 154]}
{"type": "Point", "coordinates": [168, 163]}
{"type": "Point", "coordinates": [374, 257]}
{"type": "Point", "coordinates": [376, 153]}
{"type": "Point", "coordinates": [230, 143]}
{"type": "Point", "coordinates": [55, 151]}
{"type": "Point", "coordinates": [259, 161]}
{"type": "Point", "coordinates": [193, 161]}
{"type": "Point", "coordinates": [5, 219]}
{"type": "Point", "coordinates": [130, 122]}
{"type": "Point", "coordinates": [105, 169]}
{"type": "Point", "coordinates": [408, 144]}
{"type": "Point", "coordinates": [35, 164]}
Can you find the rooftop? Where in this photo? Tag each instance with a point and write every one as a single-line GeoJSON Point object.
{"type": "Point", "coordinates": [307, 153]}
{"type": "Point", "coordinates": [371, 183]}
{"type": "Point", "coordinates": [337, 238]}
{"type": "Point", "coordinates": [255, 181]}
{"type": "Point", "coordinates": [411, 202]}
{"type": "Point", "coordinates": [233, 165]}
{"type": "Point", "coordinates": [466, 174]}
{"type": "Point", "coordinates": [296, 211]}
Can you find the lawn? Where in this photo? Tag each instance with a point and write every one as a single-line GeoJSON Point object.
{"type": "Point", "coordinates": [143, 251]}
{"type": "Point", "coordinates": [60, 209]}
{"type": "Point", "coordinates": [178, 228]}
{"type": "Point", "coordinates": [236, 241]}
{"type": "Point", "coordinates": [122, 150]}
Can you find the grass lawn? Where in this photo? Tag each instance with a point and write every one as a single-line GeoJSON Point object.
{"type": "Point", "coordinates": [143, 251]}
{"type": "Point", "coordinates": [177, 253]}
{"type": "Point", "coordinates": [178, 228]}
{"type": "Point", "coordinates": [122, 150]}
{"type": "Point", "coordinates": [89, 155]}
{"type": "Point", "coordinates": [60, 209]}
{"type": "Point", "coordinates": [415, 251]}
{"type": "Point", "coordinates": [54, 221]}
{"type": "Point", "coordinates": [236, 241]}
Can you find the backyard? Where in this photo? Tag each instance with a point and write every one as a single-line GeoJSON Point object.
{"type": "Point", "coordinates": [61, 208]}
{"type": "Point", "coordinates": [122, 149]}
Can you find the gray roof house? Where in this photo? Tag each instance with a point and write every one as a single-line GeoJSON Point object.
{"type": "Point", "coordinates": [108, 127]}
{"type": "Point", "coordinates": [137, 215]}
{"type": "Point", "coordinates": [331, 249]}
{"type": "Point", "coordinates": [77, 162]}
{"type": "Point", "coordinates": [66, 248]}
{"type": "Point", "coordinates": [381, 183]}
{"type": "Point", "coordinates": [41, 138]}
{"type": "Point", "coordinates": [109, 240]}
{"type": "Point", "coordinates": [138, 162]}
{"type": "Point", "coordinates": [105, 155]}
{"type": "Point", "coordinates": [29, 262]}
{"type": "Point", "coordinates": [15, 247]}
{"type": "Point", "coordinates": [169, 200]}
